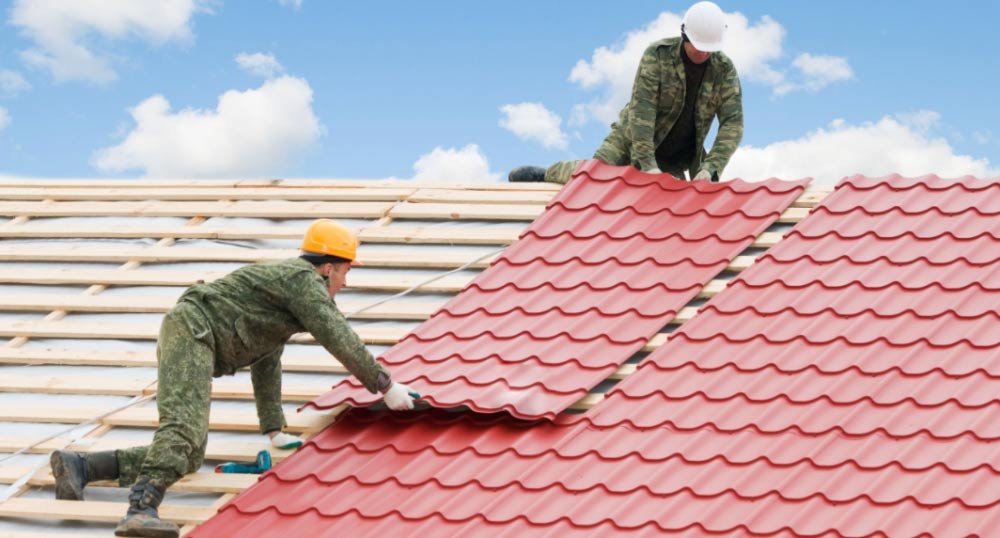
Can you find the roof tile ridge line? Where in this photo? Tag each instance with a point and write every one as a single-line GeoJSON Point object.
{"type": "Point", "coordinates": [673, 453]}
{"type": "Point", "coordinates": [645, 488]}
{"type": "Point", "coordinates": [599, 486]}
{"type": "Point", "coordinates": [590, 286]}
{"type": "Point", "coordinates": [837, 429]}
{"type": "Point", "coordinates": [882, 258]}
{"type": "Point", "coordinates": [589, 310]}
{"type": "Point", "coordinates": [858, 284]}
{"type": "Point", "coordinates": [832, 310]}
{"type": "Point", "coordinates": [559, 335]}
{"type": "Point", "coordinates": [937, 370]}
{"type": "Point", "coordinates": [822, 398]}
{"type": "Point", "coordinates": [495, 357]}
{"type": "Point", "coordinates": [741, 212]}
{"type": "Point", "coordinates": [918, 181]}
{"type": "Point", "coordinates": [841, 338]}
{"type": "Point", "coordinates": [874, 233]}
{"type": "Point", "coordinates": [772, 184]}
{"type": "Point", "coordinates": [897, 209]}
{"type": "Point", "coordinates": [647, 236]}
{"type": "Point", "coordinates": [640, 261]}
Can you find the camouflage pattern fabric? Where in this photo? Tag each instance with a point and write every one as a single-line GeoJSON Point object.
{"type": "Point", "coordinates": [657, 101]}
{"type": "Point", "coordinates": [185, 356]}
{"type": "Point", "coordinates": [242, 319]}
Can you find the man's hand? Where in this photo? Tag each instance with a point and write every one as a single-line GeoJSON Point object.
{"type": "Point", "coordinates": [704, 175]}
{"type": "Point", "coordinates": [280, 439]}
{"type": "Point", "coordinates": [398, 397]}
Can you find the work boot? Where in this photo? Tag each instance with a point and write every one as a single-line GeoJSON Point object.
{"type": "Point", "coordinates": [73, 471]}
{"type": "Point", "coordinates": [142, 518]}
{"type": "Point", "coordinates": [523, 174]}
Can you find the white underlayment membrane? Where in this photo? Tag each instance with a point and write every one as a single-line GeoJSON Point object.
{"type": "Point", "coordinates": [142, 436]}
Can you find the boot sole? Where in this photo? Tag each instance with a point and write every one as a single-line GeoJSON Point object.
{"type": "Point", "coordinates": [64, 490]}
{"type": "Point", "coordinates": [148, 533]}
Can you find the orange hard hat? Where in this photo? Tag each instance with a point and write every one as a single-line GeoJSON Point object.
{"type": "Point", "coordinates": [330, 238]}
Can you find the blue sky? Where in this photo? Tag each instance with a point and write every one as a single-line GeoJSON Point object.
{"type": "Point", "coordinates": [467, 90]}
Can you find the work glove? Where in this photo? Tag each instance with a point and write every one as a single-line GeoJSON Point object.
{"type": "Point", "coordinates": [654, 171]}
{"type": "Point", "coordinates": [703, 175]}
{"type": "Point", "coordinates": [285, 441]}
{"type": "Point", "coordinates": [399, 397]}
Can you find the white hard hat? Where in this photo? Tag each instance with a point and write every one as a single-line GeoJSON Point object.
{"type": "Point", "coordinates": [704, 24]}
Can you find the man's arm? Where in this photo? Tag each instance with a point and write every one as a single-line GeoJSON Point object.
{"type": "Point", "coordinates": [311, 304]}
{"type": "Point", "coordinates": [730, 114]}
{"type": "Point", "coordinates": [265, 374]}
{"type": "Point", "coordinates": [642, 110]}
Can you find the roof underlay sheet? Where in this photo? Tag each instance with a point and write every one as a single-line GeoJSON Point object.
{"type": "Point", "coordinates": [829, 391]}
{"type": "Point", "coordinates": [612, 260]}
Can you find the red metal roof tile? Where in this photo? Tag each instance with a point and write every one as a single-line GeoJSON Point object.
{"type": "Point", "coordinates": [807, 399]}
{"type": "Point", "coordinates": [597, 270]}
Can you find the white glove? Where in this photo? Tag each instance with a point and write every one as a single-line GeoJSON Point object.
{"type": "Point", "coordinates": [285, 441]}
{"type": "Point", "coordinates": [398, 397]}
{"type": "Point", "coordinates": [705, 175]}
{"type": "Point", "coordinates": [654, 171]}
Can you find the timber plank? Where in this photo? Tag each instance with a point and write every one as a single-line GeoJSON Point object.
{"type": "Point", "coordinates": [418, 258]}
{"type": "Point", "coordinates": [160, 304]}
{"type": "Point", "coordinates": [381, 234]}
{"type": "Point", "coordinates": [141, 386]}
{"type": "Point", "coordinates": [359, 280]}
{"type": "Point", "coordinates": [215, 451]}
{"type": "Point", "coordinates": [250, 208]}
{"type": "Point", "coordinates": [95, 510]}
{"type": "Point", "coordinates": [133, 193]}
{"type": "Point", "coordinates": [319, 363]}
{"type": "Point", "coordinates": [407, 210]}
{"type": "Point", "coordinates": [147, 417]}
{"type": "Point", "coordinates": [194, 482]}
{"type": "Point", "coordinates": [150, 331]}
{"type": "Point", "coordinates": [461, 196]}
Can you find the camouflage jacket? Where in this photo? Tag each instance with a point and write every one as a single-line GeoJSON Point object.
{"type": "Point", "coordinates": [255, 309]}
{"type": "Point", "coordinates": [658, 98]}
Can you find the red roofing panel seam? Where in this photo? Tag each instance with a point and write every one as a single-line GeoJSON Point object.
{"type": "Point", "coordinates": [930, 182]}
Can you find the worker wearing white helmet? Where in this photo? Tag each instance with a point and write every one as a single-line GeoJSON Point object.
{"type": "Point", "coordinates": [682, 85]}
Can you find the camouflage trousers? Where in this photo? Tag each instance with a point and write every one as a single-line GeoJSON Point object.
{"type": "Point", "coordinates": [186, 355]}
{"type": "Point", "coordinates": [612, 151]}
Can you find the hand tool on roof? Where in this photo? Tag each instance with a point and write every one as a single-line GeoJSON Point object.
{"type": "Point", "coordinates": [263, 463]}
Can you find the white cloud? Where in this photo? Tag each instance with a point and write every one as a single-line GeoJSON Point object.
{"type": "Point", "coordinates": [65, 33]}
{"type": "Point", "coordinates": [815, 73]}
{"type": "Point", "coordinates": [250, 133]}
{"type": "Point", "coordinates": [903, 144]}
{"type": "Point", "coordinates": [296, 4]}
{"type": "Point", "coordinates": [260, 64]}
{"type": "Point", "coordinates": [755, 49]}
{"type": "Point", "coordinates": [4, 118]}
{"type": "Point", "coordinates": [12, 83]}
{"type": "Point", "coordinates": [466, 164]}
{"type": "Point", "coordinates": [532, 121]}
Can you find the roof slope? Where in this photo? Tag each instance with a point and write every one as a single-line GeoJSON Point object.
{"type": "Point", "coordinates": [612, 260]}
{"type": "Point", "coordinates": [786, 408]}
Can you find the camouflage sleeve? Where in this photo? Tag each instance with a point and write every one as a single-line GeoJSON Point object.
{"type": "Point", "coordinates": [730, 114]}
{"type": "Point", "coordinates": [311, 304]}
{"type": "Point", "coordinates": [265, 374]}
{"type": "Point", "coordinates": [642, 110]}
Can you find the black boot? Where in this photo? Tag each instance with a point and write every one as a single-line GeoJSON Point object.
{"type": "Point", "coordinates": [73, 471]}
{"type": "Point", "coordinates": [142, 518]}
{"type": "Point", "coordinates": [523, 174]}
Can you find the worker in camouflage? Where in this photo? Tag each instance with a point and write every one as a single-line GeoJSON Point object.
{"type": "Point", "coordinates": [681, 86]}
{"type": "Point", "coordinates": [242, 319]}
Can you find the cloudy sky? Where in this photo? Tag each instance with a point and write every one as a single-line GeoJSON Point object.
{"type": "Point", "coordinates": [459, 90]}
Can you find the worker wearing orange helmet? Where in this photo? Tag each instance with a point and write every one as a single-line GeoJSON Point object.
{"type": "Point", "coordinates": [243, 319]}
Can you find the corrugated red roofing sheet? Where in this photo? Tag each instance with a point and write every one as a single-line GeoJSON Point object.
{"type": "Point", "coordinates": [614, 257]}
{"type": "Point", "coordinates": [779, 428]}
